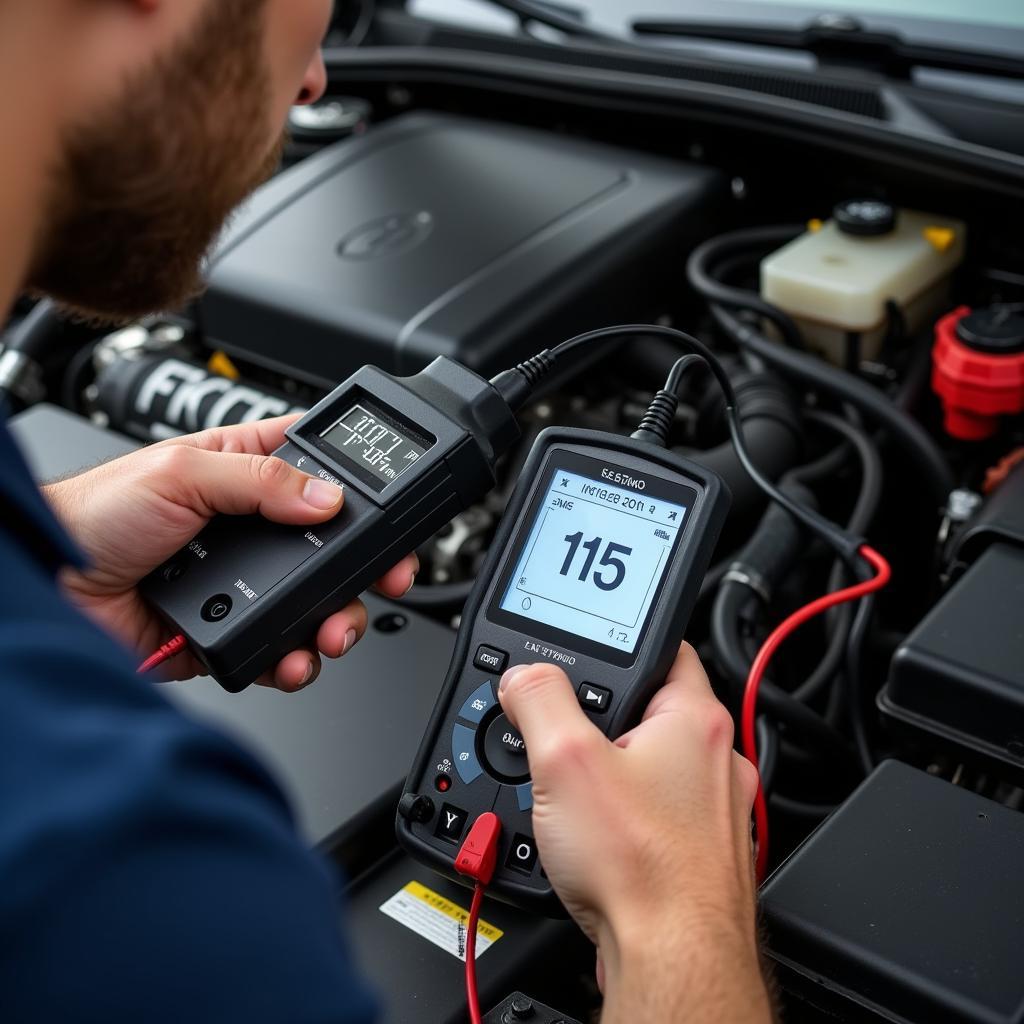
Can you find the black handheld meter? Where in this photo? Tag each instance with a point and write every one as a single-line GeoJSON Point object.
{"type": "Point", "coordinates": [410, 453]}
{"type": "Point", "coordinates": [596, 567]}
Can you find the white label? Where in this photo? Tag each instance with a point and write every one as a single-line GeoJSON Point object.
{"type": "Point", "coordinates": [438, 920]}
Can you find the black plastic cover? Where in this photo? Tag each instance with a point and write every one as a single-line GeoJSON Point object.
{"type": "Point", "coordinates": [435, 235]}
{"type": "Point", "coordinates": [960, 673]}
{"type": "Point", "coordinates": [906, 901]}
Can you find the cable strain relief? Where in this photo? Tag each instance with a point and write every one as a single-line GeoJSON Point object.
{"type": "Point", "coordinates": [517, 385]}
{"type": "Point", "coordinates": [847, 546]}
{"type": "Point", "coordinates": [657, 422]}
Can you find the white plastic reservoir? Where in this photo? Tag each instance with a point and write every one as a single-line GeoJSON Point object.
{"type": "Point", "coordinates": [836, 279]}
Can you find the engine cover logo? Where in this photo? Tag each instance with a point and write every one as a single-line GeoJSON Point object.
{"type": "Point", "coordinates": [385, 236]}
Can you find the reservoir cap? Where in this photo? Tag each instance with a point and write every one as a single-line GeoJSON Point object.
{"type": "Point", "coordinates": [998, 330]}
{"type": "Point", "coordinates": [865, 218]}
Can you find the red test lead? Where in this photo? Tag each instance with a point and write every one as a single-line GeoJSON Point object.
{"type": "Point", "coordinates": [476, 859]}
{"type": "Point", "coordinates": [757, 671]}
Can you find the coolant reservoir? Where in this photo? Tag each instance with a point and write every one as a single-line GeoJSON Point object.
{"type": "Point", "coordinates": [836, 279]}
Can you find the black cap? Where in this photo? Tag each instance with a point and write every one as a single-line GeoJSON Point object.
{"type": "Point", "coordinates": [865, 217]}
{"type": "Point", "coordinates": [997, 330]}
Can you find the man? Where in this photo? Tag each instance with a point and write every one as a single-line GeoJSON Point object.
{"type": "Point", "coordinates": [150, 869]}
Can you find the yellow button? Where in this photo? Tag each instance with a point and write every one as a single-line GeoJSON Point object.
{"type": "Point", "coordinates": [814, 225]}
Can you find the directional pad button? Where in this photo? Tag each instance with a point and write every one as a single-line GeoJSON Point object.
{"type": "Point", "coordinates": [479, 702]}
{"type": "Point", "coordinates": [464, 753]}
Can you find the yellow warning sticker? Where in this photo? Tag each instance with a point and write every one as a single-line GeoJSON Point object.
{"type": "Point", "coordinates": [438, 919]}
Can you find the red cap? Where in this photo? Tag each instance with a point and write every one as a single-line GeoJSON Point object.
{"type": "Point", "coordinates": [479, 853]}
{"type": "Point", "coordinates": [975, 387]}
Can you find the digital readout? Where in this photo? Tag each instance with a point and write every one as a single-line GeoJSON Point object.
{"type": "Point", "coordinates": [593, 559]}
{"type": "Point", "coordinates": [377, 447]}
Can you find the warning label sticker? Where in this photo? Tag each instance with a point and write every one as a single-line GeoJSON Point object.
{"type": "Point", "coordinates": [438, 919]}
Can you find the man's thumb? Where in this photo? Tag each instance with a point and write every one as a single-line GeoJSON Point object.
{"type": "Point", "coordinates": [241, 484]}
{"type": "Point", "coordinates": [542, 705]}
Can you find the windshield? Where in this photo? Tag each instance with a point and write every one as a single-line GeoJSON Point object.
{"type": "Point", "coordinates": [990, 25]}
{"type": "Point", "coordinates": [1005, 13]}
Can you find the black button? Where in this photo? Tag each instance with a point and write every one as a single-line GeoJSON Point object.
{"type": "Point", "coordinates": [173, 572]}
{"type": "Point", "coordinates": [490, 659]}
{"type": "Point", "coordinates": [416, 808]}
{"type": "Point", "coordinates": [450, 823]}
{"type": "Point", "coordinates": [522, 854]}
{"type": "Point", "coordinates": [594, 698]}
{"type": "Point", "coordinates": [505, 751]}
{"type": "Point", "coordinates": [216, 608]}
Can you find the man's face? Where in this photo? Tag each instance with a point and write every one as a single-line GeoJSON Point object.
{"type": "Point", "coordinates": [144, 186]}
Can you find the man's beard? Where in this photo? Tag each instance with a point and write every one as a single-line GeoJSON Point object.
{"type": "Point", "coordinates": [143, 190]}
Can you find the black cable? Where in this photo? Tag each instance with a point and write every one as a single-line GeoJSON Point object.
{"type": "Point", "coordinates": [902, 429]}
{"type": "Point", "coordinates": [767, 752]}
{"type": "Point", "coordinates": [714, 290]}
{"type": "Point", "coordinates": [844, 544]}
{"type": "Point", "coordinates": [868, 500]}
{"type": "Point", "coordinates": [824, 466]}
{"type": "Point", "coordinates": [854, 690]}
{"type": "Point", "coordinates": [678, 371]}
{"type": "Point", "coordinates": [773, 700]}
{"type": "Point", "coordinates": [799, 808]}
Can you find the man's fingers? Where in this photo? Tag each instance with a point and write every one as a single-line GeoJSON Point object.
{"type": "Point", "coordinates": [542, 705]}
{"type": "Point", "coordinates": [259, 438]}
{"type": "Point", "coordinates": [294, 672]}
{"type": "Point", "coordinates": [340, 633]}
{"type": "Point", "coordinates": [240, 484]}
{"type": "Point", "coordinates": [398, 580]}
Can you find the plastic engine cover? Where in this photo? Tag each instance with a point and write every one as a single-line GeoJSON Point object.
{"type": "Point", "coordinates": [433, 235]}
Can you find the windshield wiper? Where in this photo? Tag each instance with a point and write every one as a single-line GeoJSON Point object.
{"type": "Point", "coordinates": [556, 16]}
{"type": "Point", "coordinates": [842, 40]}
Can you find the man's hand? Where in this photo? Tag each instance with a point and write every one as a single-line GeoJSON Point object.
{"type": "Point", "coordinates": [647, 842]}
{"type": "Point", "coordinates": [134, 513]}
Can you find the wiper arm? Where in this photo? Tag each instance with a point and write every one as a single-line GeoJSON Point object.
{"type": "Point", "coordinates": [842, 40]}
{"type": "Point", "coordinates": [550, 15]}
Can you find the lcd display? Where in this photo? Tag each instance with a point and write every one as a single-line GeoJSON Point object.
{"type": "Point", "coordinates": [593, 558]}
{"type": "Point", "coordinates": [379, 448]}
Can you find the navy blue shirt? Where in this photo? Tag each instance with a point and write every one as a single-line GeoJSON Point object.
{"type": "Point", "coordinates": [149, 867]}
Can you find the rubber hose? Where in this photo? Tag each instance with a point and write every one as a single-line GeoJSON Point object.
{"type": "Point", "coordinates": [905, 432]}
{"type": "Point", "coordinates": [708, 284]}
{"type": "Point", "coordinates": [775, 702]}
{"type": "Point", "coordinates": [772, 430]}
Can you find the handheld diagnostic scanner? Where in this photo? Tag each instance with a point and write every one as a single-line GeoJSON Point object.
{"type": "Point", "coordinates": [595, 568]}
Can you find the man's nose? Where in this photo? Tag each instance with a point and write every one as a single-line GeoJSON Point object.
{"type": "Point", "coordinates": [314, 82]}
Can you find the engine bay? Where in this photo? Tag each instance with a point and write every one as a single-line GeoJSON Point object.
{"type": "Point", "coordinates": [870, 317]}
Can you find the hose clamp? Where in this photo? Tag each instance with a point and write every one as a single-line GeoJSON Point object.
{"type": "Point", "coordinates": [746, 577]}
